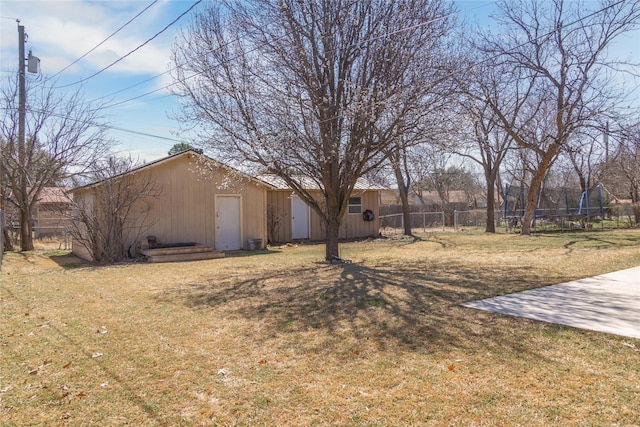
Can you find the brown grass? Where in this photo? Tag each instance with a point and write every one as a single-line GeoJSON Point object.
{"type": "Point", "coordinates": [278, 338]}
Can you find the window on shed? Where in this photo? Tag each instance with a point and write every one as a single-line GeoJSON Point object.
{"type": "Point", "coordinates": [355, 205]}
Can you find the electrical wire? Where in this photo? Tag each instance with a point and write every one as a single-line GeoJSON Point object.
{"type": "Point", "coordinates": [240, 54]}
{"type": "Point", "coordinates": [363, 42]}
{"type": "Point", "coordinates": [132, 51]}
{"type": "Point", "coordinates": [104, 41]}
{"type": "Point", "coordinates": [101, 125]}
{"type": "Point", "coordinates": [196, 74]}
{"type": "Point", "coordinates": [175, 68]}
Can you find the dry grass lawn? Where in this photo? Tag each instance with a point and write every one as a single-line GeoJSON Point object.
{"type": "Point", "coordinates": [277, 338]}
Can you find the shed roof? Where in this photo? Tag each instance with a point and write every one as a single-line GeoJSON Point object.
{"type": "Point", "coordinates": [188, 153]}
{"type": "Point", "coordinates": [362, 184]}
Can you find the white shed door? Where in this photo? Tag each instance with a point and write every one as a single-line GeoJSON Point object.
{"type": "Point", "coordinates": [299, 218]}
{"type": "Point", "coordinates": [228, 231]}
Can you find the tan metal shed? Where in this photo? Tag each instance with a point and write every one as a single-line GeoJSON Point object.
{"type": "Point", "coordinates": [200, 200]}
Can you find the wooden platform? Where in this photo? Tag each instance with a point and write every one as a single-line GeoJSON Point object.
{"type": "Point", "coordinates": [181, 253]}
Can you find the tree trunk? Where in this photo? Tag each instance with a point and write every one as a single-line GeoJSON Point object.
{"type": "Point", "coordinates": [404, 183]}
{"type": "Point", "coordinates": [403, 190]}
{"type": "Point", "coordinates": [406, 215]}
{"type": "Point", "coordinates": [532, 198]}
{"type": "Point", "coordinates": [491, 203]}
{"type": "Point", "coordinates": [332, 252]}
{"type": "Point", "coordinates": [26, 235]}
{"type": "Point", "coordinates": [8, 244]}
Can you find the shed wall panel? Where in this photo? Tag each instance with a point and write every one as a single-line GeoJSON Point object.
{"type": "Point", "coordinates": [353, 225]}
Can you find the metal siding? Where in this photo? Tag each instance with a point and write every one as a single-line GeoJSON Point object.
{"type": "Point", "coordinates": [353, 225]}
{"type": "Point", "coordinates": [185, 211]}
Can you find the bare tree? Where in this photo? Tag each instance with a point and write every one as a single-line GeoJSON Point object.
{"type": "Point", "coordinates": [484, 142]}
{"type": "Point", "coordinates": [63, 138]}
{"type": "Point", "coordinates": [312, 89]}
{"type": "Point", "coordinates": [114, 211]}
{"type": "Point", "coordinates": [557, 79]}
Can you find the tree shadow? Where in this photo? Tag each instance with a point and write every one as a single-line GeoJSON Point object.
{"type": "Point", "coordinates": [413, 306]}
{"type": "Point", "coordinates": [596, 241]}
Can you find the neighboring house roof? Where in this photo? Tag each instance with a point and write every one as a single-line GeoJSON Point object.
{"type": "Point", "coordinates": [52, 195]}
{"type": "Point", "coordinates": [309, 184]}
{"type": "Point", "coordinates": [55, 195]}
{"type": "Point", "coordinates": [187, 153]}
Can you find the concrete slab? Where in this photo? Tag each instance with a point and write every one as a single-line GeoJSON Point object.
{"type": "Point", "coordinates": [607, 303]}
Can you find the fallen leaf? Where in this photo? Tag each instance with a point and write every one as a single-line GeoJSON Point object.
{"type": "Point", "coordinates": [263, 361]}
{"type": "Point", "coordinates": [356, 352]}
{"type": "Point", "coordinates": [81, 394]}
{"type": "Point", "coordinates": [67, 365]}
{"type": "Point", "coordinates": [452, 367]}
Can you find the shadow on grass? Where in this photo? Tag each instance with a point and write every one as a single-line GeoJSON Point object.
{"type": "Point", "coordinates": [245, 253]}
{"type": "Point", "coordinates": [414, 306]}
{"type": "Point", "coordinates": [69, 261]}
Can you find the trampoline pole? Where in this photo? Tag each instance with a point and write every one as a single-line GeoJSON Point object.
{"type": "Point", "coordinates": [506, 202]}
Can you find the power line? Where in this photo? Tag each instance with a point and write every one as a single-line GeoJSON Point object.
{"type": "Point", "coordinates": [101, 125]}
{"type": "Point", "coordinates": [174, 68]}
{"type": "Point", "coordinates": [134, 50]}
{"type": "Point", "coordinates": [240, 54]}
{"type": "Point", "coordinates": [363, 42]}
{"type": "Point", "coordinates": [104, 41]}
{"type": "Point", "coordinates": [232, 41]}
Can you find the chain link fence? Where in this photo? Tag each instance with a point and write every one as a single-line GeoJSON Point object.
{"type": "Point", "coordinates": [615, 217]}
{"type": "Point", "coordinates": [424, 221]}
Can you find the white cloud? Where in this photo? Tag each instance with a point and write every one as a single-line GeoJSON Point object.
{"type": "Point", "coordinates": [62, 31]}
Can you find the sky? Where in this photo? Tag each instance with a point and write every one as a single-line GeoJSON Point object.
{"type": "Point", "coordinates": [140, 108]}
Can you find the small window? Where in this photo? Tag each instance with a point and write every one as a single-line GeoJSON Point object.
{"type": "Point", "coordinates": [355, 205]}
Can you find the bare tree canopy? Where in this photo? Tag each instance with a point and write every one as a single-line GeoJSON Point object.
{"type": "Point", "coordinates": [552, 77]}
{"type": "Point", "coordinates": [315, 88]}
{"type": "Point", "coordinates": [64, 137]}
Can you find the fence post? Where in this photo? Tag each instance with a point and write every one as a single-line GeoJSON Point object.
{"type": "Point", "coordinates": [455, 220]}
{"type": "Point", "coordinates": [443, 227]}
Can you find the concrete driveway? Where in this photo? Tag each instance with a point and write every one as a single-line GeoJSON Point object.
{"type": "Point", "coordinates": [607, 303]}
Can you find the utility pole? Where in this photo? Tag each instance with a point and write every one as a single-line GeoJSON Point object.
{"type": "Point", "coordinates": [22, 117]}
{"type": "Point", "coordinates": [21, 190]}
{"type": "Point", "coordinates": [22, 100]}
